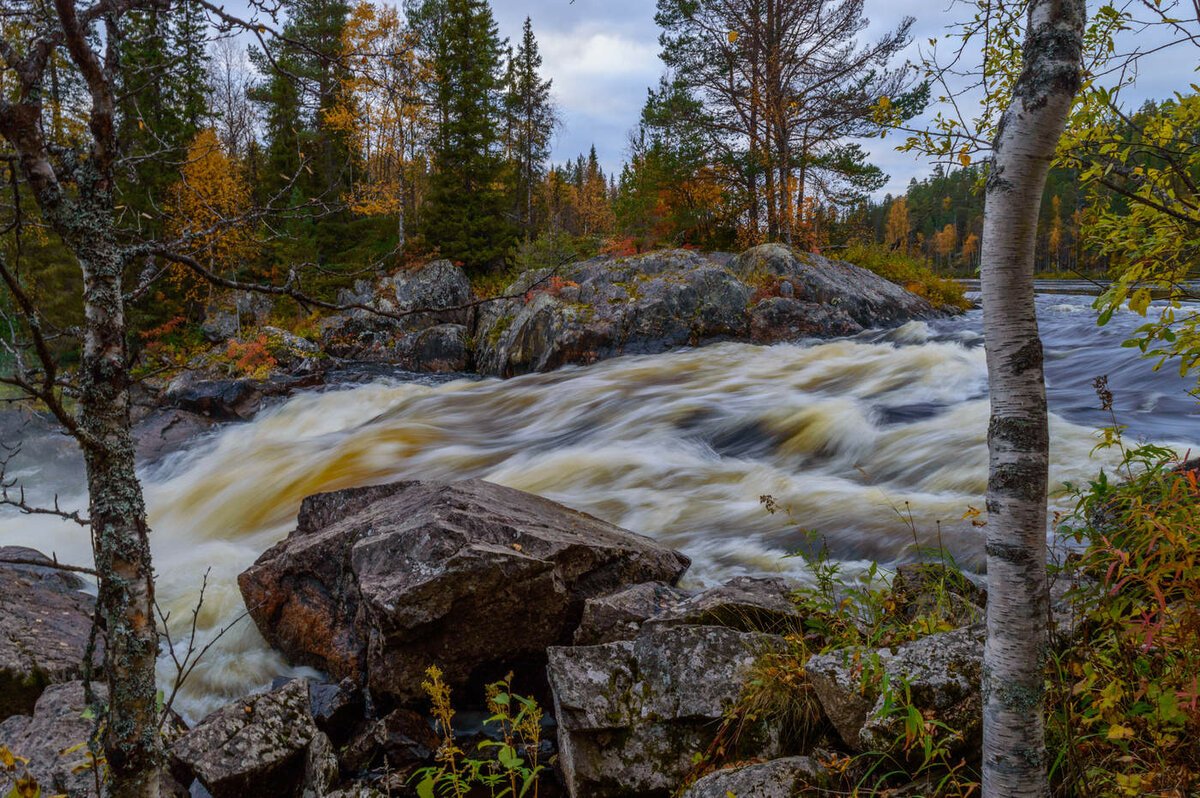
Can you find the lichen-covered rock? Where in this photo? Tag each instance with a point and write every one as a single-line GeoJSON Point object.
{"type": "Point", "coordinates": [941, 673]}
{"type": "Point", "coordinates": [746, 603]}
{"type": "Point", "coordinates": [378, 583]}
{"type": "Point", "coordinates": [788, 777]}
{"type": "Point", "coordinates": [266, 744]}
{"type": "Point", "coordinates": [865, 297]}
{"type": "Point", "coordinates": [54, 740]}
{"type": "Point", "coordinates": [427, 330]}
{"type": "Point", "coordinates": [632, 714]}
{"type": "Point", "coordinates": [619, 616]}
{"type": "Point", "coordinates": [44, 627]}
{"type": "Point", "coordinates": [610, 306]}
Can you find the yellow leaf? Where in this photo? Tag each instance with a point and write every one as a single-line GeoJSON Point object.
{"type": "Point", "coordinates": [733, 36]}
{"type": "Point", "coordinates": [1119, 732]}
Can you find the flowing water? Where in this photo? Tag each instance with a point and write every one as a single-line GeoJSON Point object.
{"type": "Point", "coordinates": [873, 442]}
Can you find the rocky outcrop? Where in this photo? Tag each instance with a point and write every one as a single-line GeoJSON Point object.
{"type": "Point", "coordinates": [378, 583]}
{"type": "Point", "coordinates": [44, 629]}
{"type": "Point", "coordinates": [619, 616]}
{"type": "Point", "coordinates": [789, 777]}
{"type": "Point", "coordinates": [610, 306]}
{"type": "Point", "coordinates": [650, 303]}
{"type": "Point", "coordinates": [632, 714]}
{"type": "Point", "coordinates": [941, 673]}
{"type": "Point", "coordinates": [267, 744]}
{"type": "Point", "coordinates": [50, 738]}
{"type": "Point", "coordinates": [428, 330]}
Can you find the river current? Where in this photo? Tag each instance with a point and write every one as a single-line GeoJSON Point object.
{"type": "Point", "coordinates": [874, 443]}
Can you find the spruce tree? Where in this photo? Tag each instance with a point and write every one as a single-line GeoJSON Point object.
{"type": "Point", "coordinates": [465, 214]}
{"type": "Point", "coordinates": [530, 120]}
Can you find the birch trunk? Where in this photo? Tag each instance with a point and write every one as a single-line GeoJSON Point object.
{"type": "Point", "coordinates": [1018, 441]}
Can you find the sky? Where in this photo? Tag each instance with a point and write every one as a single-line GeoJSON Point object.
{"type": "Point", "coordinates": [603, 56]}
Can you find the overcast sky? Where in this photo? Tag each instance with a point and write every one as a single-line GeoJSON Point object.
{"type": "Point", "coordinates": [603, 55]}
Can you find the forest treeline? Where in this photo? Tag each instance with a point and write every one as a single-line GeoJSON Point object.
{"type": "Point", "coordinates": [365, 135]}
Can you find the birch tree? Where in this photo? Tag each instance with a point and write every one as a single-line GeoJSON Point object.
{"type": "Point", "coordinates": [1018, 439]}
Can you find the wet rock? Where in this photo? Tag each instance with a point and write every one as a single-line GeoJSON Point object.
{"type": "Point", "coordinates": [942, 673]}
{"type": "Point", "coordinates": [439, 349]}
{"type": "Point", "coordinates": [266, 744]}
{"type": "Point", "coordinates": [650, 303]}
{"type": "Point", "coordinates": [633, 713]}
{"type": "Point", "coordinates": [167, 430]}
{"type": "Point", "coordinates": [54, 740]}
{"type": "Point", "coordinates": [219, 400]}
{"type": "Point", "coordinates": [746, 603]}
{"type": "Point", "coordinates": [780, 318]}
{"type": "Point", "coordinates": [44, 629]}
{"type": "Point", "coordinates": [780, 778]}
{"type": "Point", "coordinates": [378, 583]}
{"type": "Point", "coordinates": [619, 616]}
{"type": "Point", "coordinates": [337, 709]}
{"type": "Point", "coordinates": [865, 297]}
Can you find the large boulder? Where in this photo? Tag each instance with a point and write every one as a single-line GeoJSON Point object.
{"type": "Point", "coordinates": [54, 740]}
{"type": "Point", "coordinates": [779, 778]}
{"type": "Point", "coordinates": [44, 629]}
{"type": "Point", "coordinates": [267, 744]}
{"type": "Point", "coordinates": [610, 306]}
{"type": "Point", "coordinates": [633, 714]}
{"type": "Point", "coordinates": [940, 674]}
{"type": "Point", "coordinates": [863, 296]}
{"type": "Point", "coordinates": [379, 583]}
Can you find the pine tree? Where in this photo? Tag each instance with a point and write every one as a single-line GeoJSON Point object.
{"type": "Point", "coordinates": [530, 120]}
{"type": "Point", "coordinates": [464, 216]}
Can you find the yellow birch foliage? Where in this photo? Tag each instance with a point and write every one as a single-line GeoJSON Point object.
{"type": "Point", "coordinates": [204, 208]}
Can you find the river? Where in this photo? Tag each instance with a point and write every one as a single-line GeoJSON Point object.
{"type": "Point", "coordinates": [872, 442]}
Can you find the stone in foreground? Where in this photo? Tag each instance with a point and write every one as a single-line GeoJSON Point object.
{"type": "Point", "coordinates": [379, 583]}
{"type": "Point", "coordinates": [780, 778]}
{"type": "Point", "coordinates": [44, 629]}
{"type": "Point", "coordinates": [54, 740]}
{"type": "Point", "coordinates": [942, 673]}
{"type": "Point", "coordinates": [266, 744]}
{"type": "Point", "coordinates": [632, 714]}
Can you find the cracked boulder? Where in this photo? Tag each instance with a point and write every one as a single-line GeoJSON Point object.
{"type": "Point", "coordinates": [377, 584]}
{"type": "Point", "coordinates": [44, 629]}
{"type": "Point", "coordinates": [266, 744]}
{"type": "Point", "coordinates": [632, 714]}
{"type": "Point", "coordinates": [941, 673]}
{"type": "Point", "coordinates": [789, 777]}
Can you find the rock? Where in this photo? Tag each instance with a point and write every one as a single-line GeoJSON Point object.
{"type": "Point", "coordinates": [782, 319]}
{"type": "Point", "coordinates": [438, 349]}
{"type": "Point", "coordinates": [942, 672]}
{"type": "Point", "coordinates": [266, 744]}
{"type": "Point", "coordinates": [378, 583]}
{"type": "Point", "coordinates": [610, 306]}
{"type": "Point", "coordinates": [649, 303]}
{"type": "Point", "coordinates": [746, 603]}
{"type": "Point", "coordinates": [237, 399]}
{"type": "Point", "coordinates": [54, 740]}
{"type": "Point", "coordinates": [221, 320]}
{"type": "Point", "coordinates": [919, 589]}
{"type": "Point", "coordinates": [439, 287]}
{"type": "Point", "coordinates": [44, 629]}
{"type": "Point", "coordinates": [633, 713]}
{"type": "Point", "coordinates": [291, 352]}
{"type": "Point", "coordinates": [865, 297]}
{"type": "Point", "coordinates": [167, 430]}
{"type": "Point", "coordinates": [401, 741]}
{"type": "Point", "coordinates": [619, 616]}
{"type": "Point", "coordinates": [780, 778]}
{"type": "Point", "coordinates": [337, 709]}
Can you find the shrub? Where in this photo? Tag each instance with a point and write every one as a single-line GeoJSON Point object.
{"type": "Point", "coordinates": [915, 276]}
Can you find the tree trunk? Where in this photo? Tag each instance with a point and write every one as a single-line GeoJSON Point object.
{"type": "Point", "coordinates": [1014, 658]}
{"type": "Point", "coordinates": [120, 536]}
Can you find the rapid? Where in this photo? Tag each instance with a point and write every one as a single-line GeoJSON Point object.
{"type": "Point", "coordinates": [874, 443]}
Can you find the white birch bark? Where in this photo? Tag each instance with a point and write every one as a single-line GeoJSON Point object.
{"type": "Point", "coordinates": [1014, 757]}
